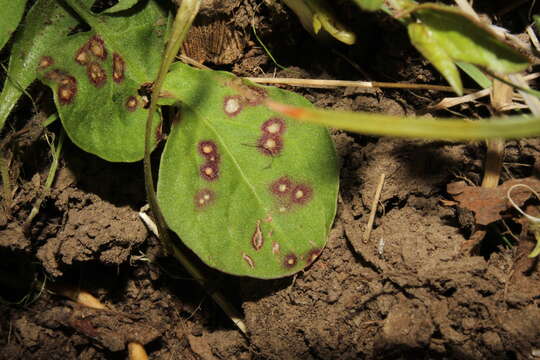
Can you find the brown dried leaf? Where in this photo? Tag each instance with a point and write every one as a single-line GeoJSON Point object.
{"type": "Point", "coordinates": [488, 203]}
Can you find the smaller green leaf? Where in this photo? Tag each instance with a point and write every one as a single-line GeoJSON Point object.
{"type": "Point", "coordinates": [12, 12]}
{"type": "Point", "coordinates": [537, 22]}
{"type": "Point", "coordinates": [449, 35]}
{"type": "Point", "coordinates": [423, 40]}
{"type": "Point", "coordinates": [369, 5]}
{"type": "Point", "coordinates": [475, 73]}
{"type": "Point", "coordinates": [121, 6]}
{"type": "Point", "coordinates": [316, 15]}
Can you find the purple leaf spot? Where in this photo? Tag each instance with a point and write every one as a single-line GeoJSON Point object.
{"type": "Point", "coordinates": [232, 105]}
{"type": "Point", "coordinates": [290, 260]}
{"type": "Point", "coordinates": [270, 144]}
{"type": "Point", "coordinates": [118, 68]}
{"type": "Point", "coordinates": [96, 74]}
{"type": "Point", "coordinates": [274, 126]}
{"type": "Point", "coordinates": [301, 194]}
{"type": "Point", "coordinates": [203, 198]}
{"type": "Point", "coordinates": [282, 186]}
{"type": "Point", "coordinates": [209, 171]}
{"type": "Point", "coordinates": [97, 47]}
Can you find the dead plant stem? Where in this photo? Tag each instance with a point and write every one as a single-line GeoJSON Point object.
{"type": "Point", "coordinates": [373, 212]}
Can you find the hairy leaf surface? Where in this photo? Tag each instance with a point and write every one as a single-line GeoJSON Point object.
{"type": "Point", "coordinates": [250, 192]}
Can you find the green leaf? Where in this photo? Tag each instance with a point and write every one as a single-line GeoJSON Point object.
{"type": "Point", "coordinates": [458, 37]}
{"type": "Point", "coordinates": [475, 73]}
{"type": "Point", "coordinates": [96, 77]}
{"type": "Point", "coordinates": [424, 41]}
{"type": "Point", "coordinates": [250, 193]}
{"type": "Point", "coordinates": [317, 15]}
{"type": "Point", "coordinates": [12, 12]}
{"type": "Point", "coordinates": [121, 6]}
{"type": "Point", "coordinates": [46, 21]}
{"type": "Point", "coordinates": [512, 127]}
{"type": "Point", "coordinates": [369, 5]}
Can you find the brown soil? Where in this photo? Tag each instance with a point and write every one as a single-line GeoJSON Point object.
{"type": "Point", "coordinates": [414, 290]}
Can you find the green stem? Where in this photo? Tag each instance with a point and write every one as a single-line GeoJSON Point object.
{"type": "Point", "coordinates": [50, 178]}
{"type": "Point", "coordinates": [6, 182]}
{"type": "Point", "coordinates": [184, 18]}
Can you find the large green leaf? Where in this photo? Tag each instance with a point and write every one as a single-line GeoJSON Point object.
{"type": "Point", "coordinates": [12, 12]}
{"type": "Point", "coordinates": [45, 23]}
{"type": "Point", "coordinates": [445, 35]}
{"type": "Point", "coordinates": [249, 192]}
{"type": "Point", "coordinates": [96, 77]}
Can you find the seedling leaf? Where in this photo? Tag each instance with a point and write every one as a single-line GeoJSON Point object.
{"type": "Point", "coordinates": [12, 12]}
{"type": "Point", "coordinates": [121, 6]}
{"type": "Point", "coordinates": [249, 192]}
{"type": "Point", "coordinates": [460, 38]}
{"type": "Point", "coordinates": [96, 77]}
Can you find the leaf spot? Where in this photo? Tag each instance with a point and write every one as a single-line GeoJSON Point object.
{"type": "Point", "coordinates": [208, 149]}
{"type": "Point", "coordinates": [301, 194]}
{"type": "Point", "coordinates": [67, 88]}
{"type": "Point", "coordinates": [209, 171]}
{"type": "Point", "coordinates": [270, 144]}
{"type": "Point", "coordinates": [82, 56]}
{"type": "Point", "coordinates": [97, 47]}
{"type": "Point", "coordinates": [275, 248]}
{"type": "Point", "coordinates": [118, 68]}
{"type": "Point", "coordinates": [96, 74]}
{"type": "Point", "coordinates": [45, 62]}
{"type": "Point", "coordinates": [273, 126]}
{"type": "Point", "coordinates": [257, 239]}
{"type": "Point", "coordinates": [232, 105]}
{"type": "Point", "coordinates": [290, 260]}
{"type": "Point", "coordinates": [254, 95]}
{"type": "Point", "coordinates": [131, 103]}
{"type": "Point", "coordinates": [312, 255]}
{"type": "Point", "coordinates": [203, 198]}
{"type": "Point", "coordinates": [248, 260]}
{"type": "Point", "coordinates": [282, 186]}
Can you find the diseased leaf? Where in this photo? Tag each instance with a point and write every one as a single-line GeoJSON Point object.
{"type": "Point", "coordinates": [369, 5]}
{"type": "Point", "coordinates": [46, 21]}
{"type": "Point", "coordinates": [12, 12]}
{"type": "Point", "coordinates": [445, 33]}
{"type": "Point", "coordinates": [249, 192]}
{"type": "Point", "coordinates": [96, 77]}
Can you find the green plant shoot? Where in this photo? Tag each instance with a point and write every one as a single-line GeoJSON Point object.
{"type": "Point", "coordinates": [445, 35]}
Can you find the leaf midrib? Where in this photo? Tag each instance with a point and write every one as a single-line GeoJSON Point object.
{"type": "Point", "coordinates": [208, 123]}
